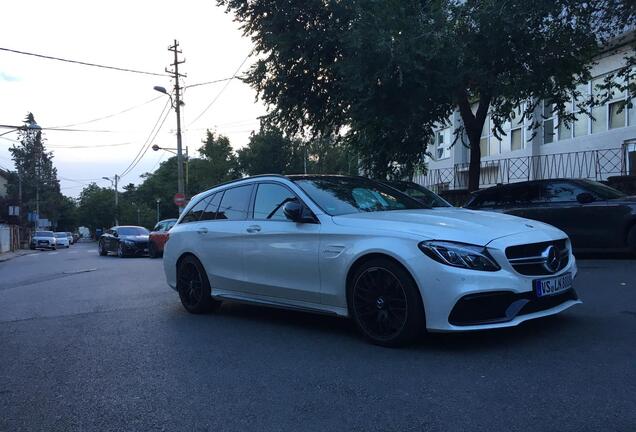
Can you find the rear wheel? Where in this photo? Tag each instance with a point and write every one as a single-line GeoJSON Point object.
{"type": "Point", "coordinates": [194, 288]}
{"type": "Point", "coordinates": [385, 303]}
{"type": "Point", "coordinates": [152, 250]}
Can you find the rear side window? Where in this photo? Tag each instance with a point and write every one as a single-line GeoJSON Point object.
{"type": "Point", "coordinates": [270, 199]}
{"type": "Point", "coordinates": [235, 203]}
{"type": "Point", "coordinates": [210, 212]}
{"type": "Point", "coordinates": [562, 192]}
{"type": "Point", "coordinates": [195, 212]}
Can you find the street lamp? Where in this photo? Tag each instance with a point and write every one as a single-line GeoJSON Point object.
{"type": "Point", "coordinates": [32, 126]}
{"type": "Point", "coordinates": [187, 160]}
{"type": "Point", "coordinates": [114, 184]}
{"type": "Point", "coordinates": [158, 201]}
{"type": "Point", "coordinates": [177, 107]}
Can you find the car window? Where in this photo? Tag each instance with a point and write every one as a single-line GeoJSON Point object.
{"type": "Point", "coordinates": [344, 195]}
{"type": "Point", "coordinates": [169, 225]}
{"type": "Point", "coordinates": [234, 203]}
{"type": "Point", "coordinates": [601, 191]}
{"type": "Point", "coordinates": [561, 192]}
{"type": "Point", "coordinates": [194, 214]}
{"type": "Point", "coordinates": [158, 227]}
{"type": "Point", "coordinates": [132, 231]}
{"type": "Point", "coordinates": [211, 210]}
{"type": "Point", "coordinates": [44, 234]}
{"type": "Point", "coordinates": [60, 235]}
{"type": "Point", "coordinates": [270, 200]}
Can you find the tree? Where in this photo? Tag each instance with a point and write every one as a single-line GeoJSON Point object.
{"type": "Point", "coordinates": [381, 74]}
{"type": "Point", "coordinates": [37, 184]}
{"type": "Point", "coordinates": [96, 207]}
{"type": "Point", "coordinates": [270, 152]}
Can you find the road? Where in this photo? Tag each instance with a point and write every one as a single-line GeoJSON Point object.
{"type": "Point", "coordinates": [101, 343]}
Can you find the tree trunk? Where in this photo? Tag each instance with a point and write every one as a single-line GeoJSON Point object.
{"type": "Point", "coordinates": [473, 124]}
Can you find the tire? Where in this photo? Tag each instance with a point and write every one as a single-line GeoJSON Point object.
{"type": "Point", "coordinates": [152, 250]}
{"type": "Point", "coordinates": [120, 251]}
{"type": "Point", "coordinates": [631, 239]}
{"type": "Point", "coordinates": [101, 249]}
{"type": "Point", "coordinates": [385, 303]}
{"type": "Point", "coordinates": [194, 288]}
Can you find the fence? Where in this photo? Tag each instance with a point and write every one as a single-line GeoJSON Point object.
{"type": "Point", "coordinates": [9, 238]}
{"type": "Point", "coordinates": [589, 164]}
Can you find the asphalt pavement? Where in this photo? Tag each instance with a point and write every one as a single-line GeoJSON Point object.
{"type": "Point", "coordinates": [102, 343]}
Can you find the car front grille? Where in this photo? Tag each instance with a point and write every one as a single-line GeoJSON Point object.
{"type": "Point", "coordinates": [532, 259]}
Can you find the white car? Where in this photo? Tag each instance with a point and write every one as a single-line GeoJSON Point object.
{"type": "Point", "coordinates": [43, 240]}
{"type": "Point", "coordinates": [352, 247]}
{"type": "Point", "coordinates": [61, 240]}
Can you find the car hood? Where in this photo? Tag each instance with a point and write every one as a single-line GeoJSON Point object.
{"type": "Point", "coordinates": [135, 238]}
{"type": "Point", "coordinates": [454, 224]}
{"type": "Point", "coordinates": [629, 200]}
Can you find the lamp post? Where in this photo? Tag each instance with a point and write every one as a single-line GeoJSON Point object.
{"type": "Point", "coordinates": [176, 104]}
{"type": "Point", "coordinates": [187, 162]}
{"type": "Point", "coordinates": [35, 129]}
{"type": "Point", "coordinates": [114, 184]}
{"type": "Point", "coordinates": [158, 201]}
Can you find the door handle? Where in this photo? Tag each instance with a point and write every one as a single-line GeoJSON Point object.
{"type": "Point", "coordinates": [202, 230]}
{"type": "Point", "coordinates": [253, 228]}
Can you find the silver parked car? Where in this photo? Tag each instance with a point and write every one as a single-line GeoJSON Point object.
{"type": "Point", "coordinates": [43, 240]}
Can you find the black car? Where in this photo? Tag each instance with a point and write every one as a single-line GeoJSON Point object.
{"type": "Point", "coordinates": [595, 216]}
{"type": "Point", "coordinates": [418, 192]}
{"type": "Point", "coordinates": [124, 240]}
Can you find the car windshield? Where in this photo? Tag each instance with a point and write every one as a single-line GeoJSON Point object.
{"type": "Point", "coordinates": [602, 191]}
{"type": "Point", "coordinates": [60, 235]}
{"type": "Point", "coordinates": [44, 234]}
{"type": "Point", "coordinates": [132, 231]}
{"type": "Point", "coordinates": [345, 195]}
{"type": "Point", "coordinates": [420, 193]}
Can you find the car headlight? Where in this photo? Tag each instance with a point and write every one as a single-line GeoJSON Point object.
{"type": "Point", "coordinates": [459, 255]}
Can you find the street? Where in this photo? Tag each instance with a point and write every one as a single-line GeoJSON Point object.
{"type": "Point", "coordinates": [102, 343]}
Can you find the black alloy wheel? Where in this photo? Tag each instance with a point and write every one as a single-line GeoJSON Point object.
{"type": "Point", "coordinates": [152, 250]}
{"type": "Point", "coordinates": [194, 288]}
{"type": "Point", "coordinates": [120, 251]}
{"type": "Point", "coordinates": [101, 249]}
{"type": "Point", "coordinates": [385, 303]}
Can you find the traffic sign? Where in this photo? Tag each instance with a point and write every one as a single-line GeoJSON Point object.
{"type": "Point", "coordinates": [179, 199]}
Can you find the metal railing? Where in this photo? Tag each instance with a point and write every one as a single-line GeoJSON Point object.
{"type": "Point", "coordinates": [588, 164]}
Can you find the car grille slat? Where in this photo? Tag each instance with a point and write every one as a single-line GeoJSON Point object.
{"type": "Point", "coordinates": [528, 260]}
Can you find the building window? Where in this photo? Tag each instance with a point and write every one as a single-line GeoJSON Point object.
{"type": "Point", "coordinates": [484, 141]}
{"type": "Point", "coordinates": [443, 142]}
{"type": "Point", "coordinates": [611, 115]}
{"type": "Point", "coordinates": [516, 139]}
{"type": "Point", "coordinates": [548, 122]}
{"type": "Point", "coordinates": [617, 114]}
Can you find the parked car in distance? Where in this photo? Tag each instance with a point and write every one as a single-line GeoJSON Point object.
{"type": "Point", "coordinates": [418, 192]}
{"type": "Point", "coordinates": [596, 217]}
{"type": "Point", "coordinates": [61, 240]}
{"type": "Point", "coordinates": [76, 237]}
{"type": "Point", "coordinates": [124, 241]}
{"type": "Point", "coordinates": [43, 240]}
{"type": "Point", "coordinates": [158, 237]}
{"type": "Point", "coordinates": [70, 238]}
{"type": "Point", "coordinates": [353, 247]}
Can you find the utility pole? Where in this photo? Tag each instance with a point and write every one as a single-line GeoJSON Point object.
{"type": "Point", "coordinates": [174, 73]}
{"type": "Point", "coordinates": [116, 201]}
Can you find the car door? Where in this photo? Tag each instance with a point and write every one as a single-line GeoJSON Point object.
{"type": "Point", "coordinates": [220, 237]}
{"type": "Point", "coordinates": [281, 256]}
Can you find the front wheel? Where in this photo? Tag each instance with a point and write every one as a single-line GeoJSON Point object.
{"type": "Point", "coordinates": [194, 288]}
{"type": "Point", "coordinates": [120, 251]}
{"type": "Point", "coordinates": [152, 250]}
{"type": "Point", "coordinates": [101, 249]}
{"type": "Point", "coordinates": [385, 303]}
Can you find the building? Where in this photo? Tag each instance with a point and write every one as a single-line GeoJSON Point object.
{"type": "Point", "coordinates": [589, 149]}
{"type": "Point", "coordinates": [4, 182]}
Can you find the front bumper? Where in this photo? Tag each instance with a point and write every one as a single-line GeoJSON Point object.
{"type": "Point", "coordinates": [136, 248]}
{"type": "Point", "coordinates": [458, 299]}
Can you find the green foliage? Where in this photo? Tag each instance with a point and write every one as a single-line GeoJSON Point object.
{"type": "Point", "coordinates": [96, 207]}
{"type": "Point", "coordinates": [383, 73]}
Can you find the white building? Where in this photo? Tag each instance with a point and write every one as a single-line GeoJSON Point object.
{"type": "Point", "coordinates": [590, 149]}
{"type": "Point", "coordinates": [4, 181]}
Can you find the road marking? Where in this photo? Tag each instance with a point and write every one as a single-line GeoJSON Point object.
{"type": "Point", "coordinates": [73, 252]}
{"type": "Point", "coordinates": [53, 253]}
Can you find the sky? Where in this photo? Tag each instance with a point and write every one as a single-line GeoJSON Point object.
{"type": "Point", "coordinates": [124, 34]}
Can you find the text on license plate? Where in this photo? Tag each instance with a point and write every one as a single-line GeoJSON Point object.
{"type": "Point", "coordinates": [552, 286]}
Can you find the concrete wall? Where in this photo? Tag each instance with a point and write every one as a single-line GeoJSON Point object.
{"type": "Point", "coordinates": [5, 238]}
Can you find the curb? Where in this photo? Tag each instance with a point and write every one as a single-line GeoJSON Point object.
{"type": "Point", "coordinates": [10, 255]}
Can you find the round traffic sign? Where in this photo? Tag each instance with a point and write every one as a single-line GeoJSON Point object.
{"type": "Point", "coordinates": [179, 199]}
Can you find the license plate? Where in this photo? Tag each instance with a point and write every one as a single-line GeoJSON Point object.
{"type": "Point", "coordinates": [146, 250]}
{"type": "Point", "coordinates": [552, 286]}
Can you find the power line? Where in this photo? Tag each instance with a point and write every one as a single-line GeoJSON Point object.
{"type": "Point", "coordinates": [220, 92]}
{"type": "Point", "coordinates": [82, 62]}
{"type": "Point", "coordinates": [210, 82]}
{"type": "Point", "coordinates": [58, 129]}
{"type": "Point", "coordinates": [88, 146]}
{"type": "Point", "coordinates": [144, 148]}
{"type": "Point", "coordinates": [111, 115]}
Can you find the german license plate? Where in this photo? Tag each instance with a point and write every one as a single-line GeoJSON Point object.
{"type": "Point", "coordinates": [552, 286]}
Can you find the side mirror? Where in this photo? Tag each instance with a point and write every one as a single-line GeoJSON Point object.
{"type": "Point", "coordinates": [297, 212]}
{"type": "Point", "coordinates": [115, 234]}
{"type": "Point", "coordinates": [585, 198]}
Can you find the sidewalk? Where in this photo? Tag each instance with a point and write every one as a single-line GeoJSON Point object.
{"type": "Point", "coordinates": [10, 255]}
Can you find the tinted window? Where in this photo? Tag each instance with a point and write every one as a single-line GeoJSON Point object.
{"type": "Point", "coordinates": [270, 200]}
{"type": "Point", "coordinates": [344, 195]}
{"type": "Point", "coordinates": [158, 227]}
{"type": "Point", "coordinates": [210, 212]}
{"type": "Point", "coordinates": [601, 191]}
{"type": "Point", "coordinates": [561, 192]}
{"type": "Point", "coordinates": [510, 196]}
{"type": "Point", "coordinates": [420, 193]}
{"type": "Point", "coordinates": [170, 224]}
{"type": "Point", "coordinates": [234, 203]}
{"type": "Point", "coordinates": [132, 231]}
{"type": "Point", "coordinates": [194, 214]}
